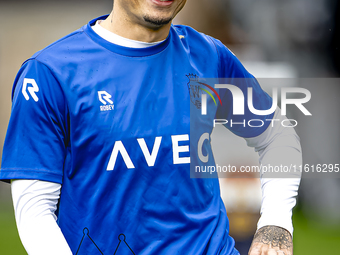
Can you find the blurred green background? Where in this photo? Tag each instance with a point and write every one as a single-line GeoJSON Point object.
{"type": "Point", "coordinates": [291, 38]}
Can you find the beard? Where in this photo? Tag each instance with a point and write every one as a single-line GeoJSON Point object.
{"type": "Point", "coordinates": [157, 21]}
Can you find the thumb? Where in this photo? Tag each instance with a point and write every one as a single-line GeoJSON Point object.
{"type": "Point", "coordinates": [272, 252]}
{"type": "Point", "coordinates": [255, 250]}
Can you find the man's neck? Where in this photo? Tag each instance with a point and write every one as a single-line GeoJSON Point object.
{"type": "Point", "coordinates": [126, 28]}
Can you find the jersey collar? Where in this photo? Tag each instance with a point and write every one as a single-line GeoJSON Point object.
{"type": "Point", "coordinates": [132, 52]}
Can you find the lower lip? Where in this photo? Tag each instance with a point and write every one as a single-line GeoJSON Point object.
{"type": "Point", "coordinates": [161, 3]}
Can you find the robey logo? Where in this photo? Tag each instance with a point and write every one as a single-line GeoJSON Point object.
{"type": "Point", "coordinates": [31, 89]}
{"type": "Point", "coordinates": [105, 99]}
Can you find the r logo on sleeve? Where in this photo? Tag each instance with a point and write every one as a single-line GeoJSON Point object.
{"type": "Point", "coordinates": [31, 89]}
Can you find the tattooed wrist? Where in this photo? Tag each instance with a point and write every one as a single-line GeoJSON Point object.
{"type": "Point", "coordinates": [274, 236]}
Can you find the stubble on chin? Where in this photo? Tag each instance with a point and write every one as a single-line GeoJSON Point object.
{"type": "Point", "coordinates": [157, 21]}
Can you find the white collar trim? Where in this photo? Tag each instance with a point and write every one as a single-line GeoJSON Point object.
{"type": "Point", "coordinates": [119, 40]}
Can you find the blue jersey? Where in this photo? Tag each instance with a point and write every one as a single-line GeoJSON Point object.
{"type": "Point", "coordinates": [114, 126]}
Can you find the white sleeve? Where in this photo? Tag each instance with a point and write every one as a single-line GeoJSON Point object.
{"type": "Point", "coordinates": [35, 203]}
{"type": "Point", "coordinates": [278, 146]}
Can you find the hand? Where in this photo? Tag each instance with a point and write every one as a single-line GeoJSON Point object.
{"type": "Point", "coordinates": [272, 240]}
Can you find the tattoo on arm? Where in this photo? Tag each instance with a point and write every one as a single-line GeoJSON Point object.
{"type": "Point", "coordinates": [276, 236]}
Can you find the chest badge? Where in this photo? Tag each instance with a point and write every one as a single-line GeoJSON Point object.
{"type": "Point", "coordinates": [105, 99]}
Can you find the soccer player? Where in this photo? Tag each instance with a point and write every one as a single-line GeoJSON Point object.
{"type": "Point", "coordinates": [97, 147]}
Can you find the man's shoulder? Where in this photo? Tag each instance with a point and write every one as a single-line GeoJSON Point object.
{"type": "Point", "coordinates": [195, 38]}
{"type": "Point", "coordinates": [62, 49]}
{"type": "Point", "coordinates": [187, 32]}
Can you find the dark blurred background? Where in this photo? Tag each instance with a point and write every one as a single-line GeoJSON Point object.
{"type": "Point", "coordinates": [272, 38]}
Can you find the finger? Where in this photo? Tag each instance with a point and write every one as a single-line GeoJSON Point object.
{"type": "Point", "coordinates": [286, 252]}
{"type": "Point", "coordinates": [272, 252]}
{"type": "Point", "coordinates": [255, 250]}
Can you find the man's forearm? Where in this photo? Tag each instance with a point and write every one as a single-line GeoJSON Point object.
{"type": "Point", "coordinates": [278, 146]}
{"type": "Point", "coordinates": [34, 204]}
